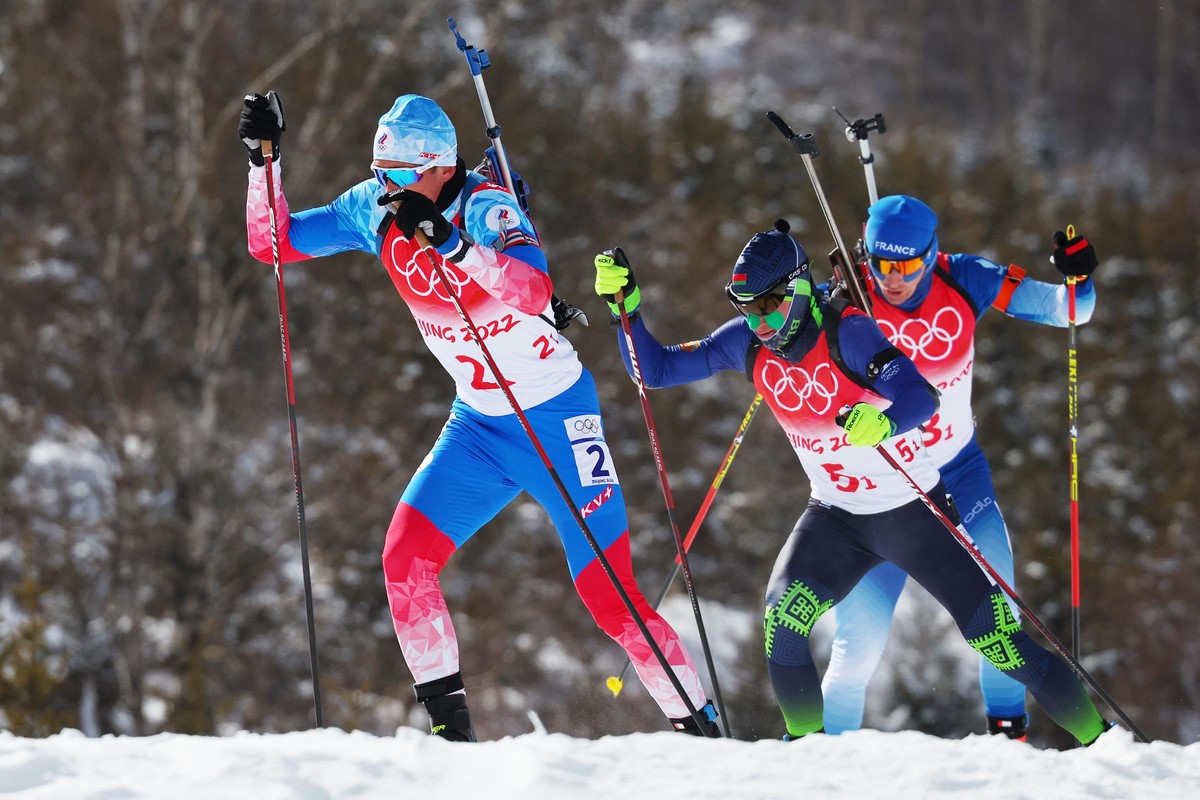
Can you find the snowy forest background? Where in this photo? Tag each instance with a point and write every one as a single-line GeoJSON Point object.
{"type": "Point", "coordinates": [149, 559]}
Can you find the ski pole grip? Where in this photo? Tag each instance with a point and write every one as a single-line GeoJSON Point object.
{"type": "Point", "coordinates": [619, 257]}
{"type": "Point", "coordinates": [267, 150]}
{"type": "Point", "coordinates": [422, 239]}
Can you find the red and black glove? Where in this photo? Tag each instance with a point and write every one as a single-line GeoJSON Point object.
{"type": "Point", "coordinates": [1073, 255]}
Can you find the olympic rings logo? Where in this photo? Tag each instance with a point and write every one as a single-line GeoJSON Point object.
{"type": "Point", "coordinates": [920, 338]}
{"type": "Point", "coordinates": [587, 426]}
{"type": "Point", "coordinates": [422, 280]}
{"type": "Point", "coordinates": [793, 387]}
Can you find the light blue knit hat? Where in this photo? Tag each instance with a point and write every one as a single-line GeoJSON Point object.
{"type": "Point", "coordinates": [416, 131]}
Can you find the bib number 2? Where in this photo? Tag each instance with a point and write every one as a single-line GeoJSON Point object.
{"type": "Point", "coordinates": [592, 458]}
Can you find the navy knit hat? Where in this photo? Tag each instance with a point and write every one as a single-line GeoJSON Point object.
{"type": "Point", "coordinates": [772, 260]}
{"type": "Point", "coordinates": [900, 227]}
{"type": "Point", "coordinates": [768, 259]}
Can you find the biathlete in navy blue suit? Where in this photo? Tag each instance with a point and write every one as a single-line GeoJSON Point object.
{"type": "Point", "coordinates": [813, 360]}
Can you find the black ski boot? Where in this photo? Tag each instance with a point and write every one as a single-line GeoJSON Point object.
{"type": "Point", "coordinates": [688, 725]}
{"type": "Point", "coordinates": [1012, 727]}
{"type": "Point", "coordinates": [447, 706]}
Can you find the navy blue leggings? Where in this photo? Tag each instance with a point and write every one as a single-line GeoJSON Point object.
{"type": "Point", "coordinates": [831, 549]}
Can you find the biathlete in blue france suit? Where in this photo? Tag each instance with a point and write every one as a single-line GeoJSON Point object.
{"type": "Point", "coordinates": [814, 360]}
{"type": "Point", "coordinates": [927, 303]}
{"type": "Point", "coordinates": [483, 458]}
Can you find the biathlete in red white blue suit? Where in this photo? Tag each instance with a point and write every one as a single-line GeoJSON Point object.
{"type": "Point", "coordinates": [483, 458]}
{"type": "Point", "coordinates": [927, 303]}
{"type": "Point", "coordinates": [812, 359]}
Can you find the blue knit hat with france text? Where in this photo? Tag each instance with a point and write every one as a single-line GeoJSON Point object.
{"type": "Point", "coordinates": [900, 227]}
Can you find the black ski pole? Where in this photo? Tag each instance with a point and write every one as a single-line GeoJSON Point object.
{"type": "Point", "coordinates": [1026, 611]}
{"type": "Point", "coordinates": [433, 258]}
{"type": "Point", "coordinates": [656, 448]}
{"type": "Point", "coordinates": [291, 403]}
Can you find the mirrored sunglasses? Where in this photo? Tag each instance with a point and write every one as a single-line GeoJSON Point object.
{"type": "Point", "coordinates": [406, 176]}
{"type": "Point", "coordinates": [765, 307]}
{"type": "Point", "coordinates": [910, 268]}
{"type": "Point", "coordinates": [398, 176]}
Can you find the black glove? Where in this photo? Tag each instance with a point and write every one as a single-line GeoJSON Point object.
{"type": "Point", "coordinates": [417, 210]}
{"type": "Point", "coordinates": [262, 118]}
{"type": "Point", "coordinates": [1073, 256]}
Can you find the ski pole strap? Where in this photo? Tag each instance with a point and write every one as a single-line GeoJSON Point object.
{"type": "Point", "coordinates": [1012, 279]}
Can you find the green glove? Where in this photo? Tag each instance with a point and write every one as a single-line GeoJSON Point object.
{"type": "Point", "coordinates": [867, 426]}
{"type": "Point", "coordinates": [613, 274]}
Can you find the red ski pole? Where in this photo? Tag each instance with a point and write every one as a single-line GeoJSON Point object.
{"type": "Point", "coordinates": [617, 682]}
{"type": "Point", "coordinates": [291, 404]}
{"type": "Point", "coordinates": [1073, 414]}
{"type": "Point", "coordinates": [619, 257]}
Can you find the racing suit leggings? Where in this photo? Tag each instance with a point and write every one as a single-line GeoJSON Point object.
{"type": "Point", "coordinates": [478, 466]}
{"type": "Point", "coordinates": [863, 617]}
{"type": "Point", "coordinates": [831, 549]}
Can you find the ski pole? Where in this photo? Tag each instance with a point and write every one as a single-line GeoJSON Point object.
{"type": "Point", "coordinates": [434, 259]}
{"type": "Point", "coordinates": [616, 683]}
{"type": "Point", "coordinates": [291, 404]}
{"type": "Point", "coordinates": [843, 268]}
{"type": "Point", "coordinates": [1026, 611]}
{"type": "Point", "coordinates": [1073, 414]}
{"type": "Point", "coordinates": [858, 131]}
{"type": "Point", "coordinates": [655, 447]}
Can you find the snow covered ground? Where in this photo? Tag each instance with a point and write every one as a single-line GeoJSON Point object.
{"type": "Point", "coordinates": [331, 763]}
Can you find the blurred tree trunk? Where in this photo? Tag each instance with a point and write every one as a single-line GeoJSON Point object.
{"type": "Point", "coordinates": [914, 63]}
{"type": "Point", "coordinates": [1165, 63]}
